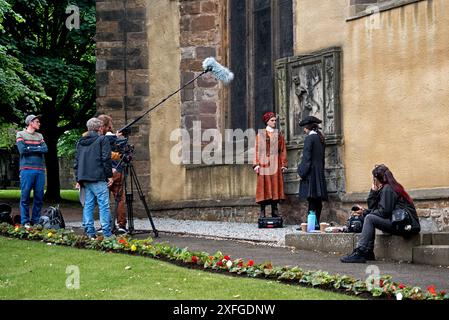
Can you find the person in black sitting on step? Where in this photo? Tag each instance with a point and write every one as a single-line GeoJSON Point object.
{"type": "Point", "coordinates": [386, 195]}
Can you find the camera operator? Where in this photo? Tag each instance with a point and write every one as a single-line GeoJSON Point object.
{"type": "Point", "coordinates": [93, 170]}
{"type": "Point", "coordinates": [118, 144]}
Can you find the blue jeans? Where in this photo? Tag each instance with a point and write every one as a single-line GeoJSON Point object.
{"type": "Point", "coordinates": [31, 179]}
{"type": "Point", "coordinates": [100, 191]}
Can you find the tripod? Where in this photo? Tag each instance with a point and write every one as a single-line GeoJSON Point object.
{"type": "Point", "coordinates": [129, 172]}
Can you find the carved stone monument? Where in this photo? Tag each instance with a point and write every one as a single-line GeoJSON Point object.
{"type": "Point", "coordinates": [310, 85]}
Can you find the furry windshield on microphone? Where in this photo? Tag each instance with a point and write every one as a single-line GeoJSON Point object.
{"type": "Point", "coordinates": [220, 73]}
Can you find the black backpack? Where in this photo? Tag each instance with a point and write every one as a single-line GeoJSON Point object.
{"type": "Point", "coordinates": [5, 213]}
{"type": "Point", "coordinates": [52, 218]}
{"type": "Point", "coordinates": [355, 224]}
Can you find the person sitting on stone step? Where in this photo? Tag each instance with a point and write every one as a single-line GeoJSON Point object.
{"type": "Point", "coordinates": [386, 195]}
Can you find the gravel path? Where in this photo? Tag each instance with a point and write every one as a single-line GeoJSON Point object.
{"type": "Point", "coordinates": [213, 229]}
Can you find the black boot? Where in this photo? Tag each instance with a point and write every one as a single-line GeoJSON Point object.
{"type": "Point", "coordinates": [274, 210]}
{"type": "Point", "coordinates": [262, 211]}
{"type": "Point", "coordinates": [357, 256]}
{"type": "Point", "coordinates": [369, 255]}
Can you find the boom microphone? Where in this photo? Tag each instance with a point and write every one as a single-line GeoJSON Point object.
{"type": "Point", "coordinates": [209, 65]}
{"type": "Point", "coordinates": [220, 73]}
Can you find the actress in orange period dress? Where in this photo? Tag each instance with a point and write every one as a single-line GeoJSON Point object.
{"type": "Point", "coordinates": [270, 163]}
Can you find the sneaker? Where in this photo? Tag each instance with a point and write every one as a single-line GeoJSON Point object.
{"type": "Point", "coordinates": [356, 256]}
{"type": "Point", "coordinates": [122, 230]}
{"type": "Point", "coordinates": [27, 226]}
{"type": "Point", "coordinates": [100, 230]}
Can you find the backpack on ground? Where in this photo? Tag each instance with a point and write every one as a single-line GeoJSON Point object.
{"type": "Point", "coordinates": [354, 224]}
{"type": "Point", "coordinates": [5, 213]}
{"type": "Point", "coordinates": [52, 218]}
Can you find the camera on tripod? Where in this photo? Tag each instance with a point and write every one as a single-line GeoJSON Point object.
{"type": "Point", "coordinates": [127, 153]}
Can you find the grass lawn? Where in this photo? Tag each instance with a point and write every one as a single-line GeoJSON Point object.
{"type": "Point", "coordinates": [34, 270]}
{"type": "Point", "coordinates": [68, 195]}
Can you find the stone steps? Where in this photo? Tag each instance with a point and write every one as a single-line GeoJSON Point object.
{"type": "Point", "coordinates": [437, 255]}
{"type": "Point", "coordinates": [427, 248]}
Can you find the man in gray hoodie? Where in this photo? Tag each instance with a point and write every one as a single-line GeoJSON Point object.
{"type": "Point", "coordinates": [93, 170]}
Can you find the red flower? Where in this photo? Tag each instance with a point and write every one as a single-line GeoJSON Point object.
{"type": "Point", "coordinates": [431, 290]}
{"type": "Point", "coordinates": [250, 263]}
{"type": "Point", "coordinates": [122, 241]}
{"type": "Point", "coordinates": [211, 258]}
{"type": "Point", "coordinates": [381, 283]}
{"type": "Point", "coordinates": [227, 258]}
{"type": "Point", "coordinates": [401, 286]}
{"type": "Point", "coordinates": [443, 293]}
{"type": "Point", "coordinates": [240, 264]}
{"type": "Point", "coordinates": [219, 263]}
{"type": "Point", "coordinates": [194, 259]}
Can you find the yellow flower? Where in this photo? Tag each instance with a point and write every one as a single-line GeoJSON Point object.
{"type": "Point", "coordinates": [133, 248]}
{"type": "Point", "coordinates": [16, 229]}
{"type": "Point", "coordinates": [49, 234]}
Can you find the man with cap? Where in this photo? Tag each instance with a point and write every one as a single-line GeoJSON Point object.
{"type": "Point", "coordinates": [312, 186]}
{"type": "Point", "coordinates": [32, 148]}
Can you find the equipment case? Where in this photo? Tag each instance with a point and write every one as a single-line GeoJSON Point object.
{"type": "Point", "coordinates": [271, 222]}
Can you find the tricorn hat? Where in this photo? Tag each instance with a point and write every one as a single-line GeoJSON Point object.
{"type": "Point", "coordinates": [309, 120]}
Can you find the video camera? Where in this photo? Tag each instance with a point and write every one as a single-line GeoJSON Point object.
{"type": "Point", "coordinates": [128, 153]}
{"type": "Point", "coordinates": [121, 146]}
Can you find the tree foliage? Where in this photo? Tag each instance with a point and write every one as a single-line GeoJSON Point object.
{"type": "Point", "coordinates": [48, 69]}
{"type": "Point", "coordinates": [16, 84]}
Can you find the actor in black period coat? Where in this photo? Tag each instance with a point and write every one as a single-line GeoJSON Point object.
{"type": "Point", "coordinates": [311, 169]}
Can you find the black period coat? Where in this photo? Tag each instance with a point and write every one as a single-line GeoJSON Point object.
{"type": "Point", "coordinates": [311, 169]}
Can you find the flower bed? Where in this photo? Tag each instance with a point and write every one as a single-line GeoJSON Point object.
{"type": "Point", "coordinates": [382, 287]}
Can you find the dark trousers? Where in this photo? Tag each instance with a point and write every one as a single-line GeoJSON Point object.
{"type": "Point", "coordinates": [264, 203]}
{"type": "Point", "coordinates": [315, 204]}
{"type": "Point", "coordinates": [370, 224]}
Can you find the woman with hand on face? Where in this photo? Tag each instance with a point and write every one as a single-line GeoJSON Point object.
{"type": "Point", "coordinates": [386, 195]}
{"type": "Point", "coordinates": [269, 164]}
